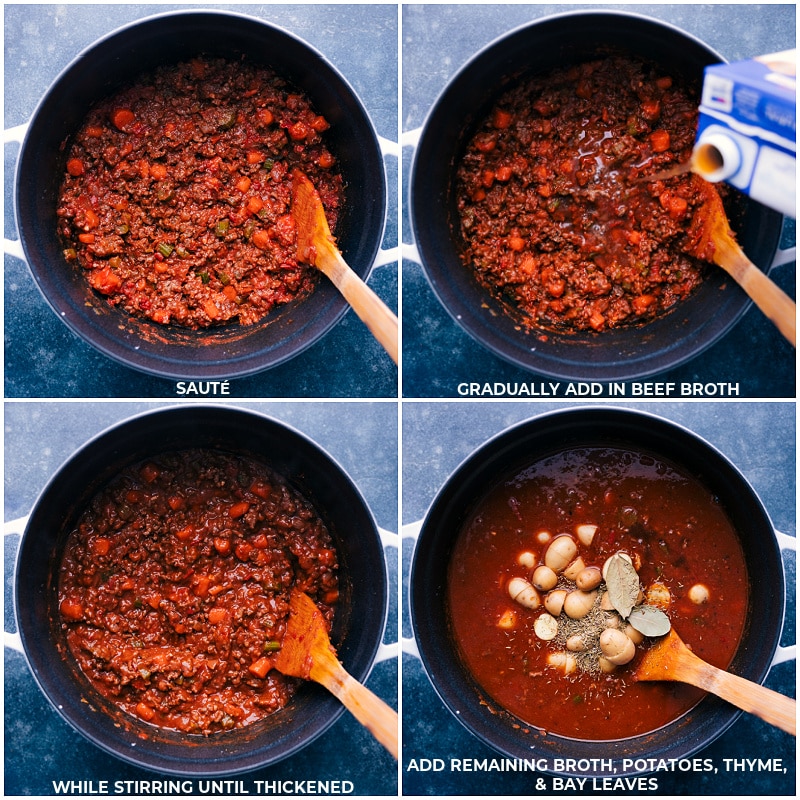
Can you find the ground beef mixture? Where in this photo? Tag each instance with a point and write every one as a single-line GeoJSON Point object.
{"type": "Point", "coordinates": [553, 220]}
{"type": "Point", "coordinates": [174, 588]}
{"type": "Point", "coordinates": [176, 199]}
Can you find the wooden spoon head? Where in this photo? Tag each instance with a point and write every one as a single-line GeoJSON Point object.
{"type": "Point", "coordinates": [313, 232]}
{"type": "Point", "coordinates": [709, 230]}
{"type": "Point", "coordinates": [306, 637]}
{"type": "Point", "coordinates": [665, 660]}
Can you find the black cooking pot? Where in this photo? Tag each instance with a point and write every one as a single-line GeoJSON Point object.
{"type": "Point", "coordinates": [358, 623]}
{"type": "Point", "coordinates": [171, 351]}
{"type": "Point", "coordinates": [618, 354]}
{"type": "Point", "coordinates": [504, 457]}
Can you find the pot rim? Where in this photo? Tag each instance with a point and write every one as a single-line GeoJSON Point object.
{"type": "Point", "coordinates": [461, 695]}
{"type": "Point", "coordinates": [182, 359]}
{"type": "Point", "coordinates": [625, 360]}
{"type": "Point", "coordinates": [140, 752]}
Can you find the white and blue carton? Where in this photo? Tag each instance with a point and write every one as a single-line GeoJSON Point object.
{"type": "Point", "coordinates": [748, 120]}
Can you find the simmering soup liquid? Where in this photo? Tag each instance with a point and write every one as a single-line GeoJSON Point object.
{"type": "Point", "coordinates": [680, 538]}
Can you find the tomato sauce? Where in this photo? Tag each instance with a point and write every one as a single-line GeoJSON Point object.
{"type": "Point", "coordinates": [640, 504]}
{"type": "Point", "coordinates": [554, 219]}
{"type": "Point", "coordinates": [176, 198]}
{"type": "Point", "coordinates": [174, 588]}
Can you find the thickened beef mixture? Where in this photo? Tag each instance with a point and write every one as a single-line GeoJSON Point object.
{"type": "Point", "coordinates": [174, 588]}
{"type": "Point", "coordinates": [555, 221]}
{"type": "Point", "coordinates": [176, 199]}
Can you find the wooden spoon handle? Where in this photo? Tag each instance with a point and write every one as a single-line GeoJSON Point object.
{"type": "Point", "coordinates": [371, 310]}
{"type": "Point", "coordinates": [770, 298]}
{"type": "Point", "coordinates": [772, 707]}
{"type": "Point", "coordinates": [375, 715]}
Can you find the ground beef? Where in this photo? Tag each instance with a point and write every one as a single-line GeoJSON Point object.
{"type": "Point", "coordinates": [174, 588]}
{"type": "Point", "coordinates": [553, 220]}
{"type": "Point", "coordinates": [176, 200]}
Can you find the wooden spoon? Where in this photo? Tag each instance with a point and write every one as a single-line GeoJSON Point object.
{"type": "Point", "coordinates": [713, 240]}
{"type": "Point", "coordinates": [316, 245]}
{"type": "Point", "coordinates": [307, 653]}
{"type": "Point", "coordinates": [671, 660]}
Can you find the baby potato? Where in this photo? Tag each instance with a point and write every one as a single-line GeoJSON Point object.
{"type": "Point", "coordinates": [560, 552]}
{"type": "Point", "coordinates": [585, 533]}
{"type": "Point", "coordinates": [616, 646]}
{"type": "Point", "coordinates": [658, 595]}
{"type": "Point", "coordinates": [635, 636]}
{"type": "Point", "coordinates": [544, 578]}
{"type": "Point", "coordinates": [574, 569]}
{"type": "Point", "coordinates": [545, 627]}
{"type": "Point", "coordinates": [563, 662]}
{"type": "Point", "coordinates": [543, 537]}
{"type": "Point", "coordinates": [699, 594]}
{"type": "Point", "coordinates": [523, 592]}
{"type": "Point", "coordinates": [578, 604]}
{"type": "Point", "coordinates": [527, 559]}
{"type": "Point", "coordinates": [605, 665]}
{"type": "Point", "coordinates": [554, 601]}
{"type": "Point", "coordinates": [508, 619]}
{"type": "Point", "coordinates": [588, 578]}
{"type": "Point", "coordinates": [575, 643]}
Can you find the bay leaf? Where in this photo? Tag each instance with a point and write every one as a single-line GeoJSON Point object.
{"type": "Point", "coordinates": [649, 621]}
{"type": "Point", "coordinates": [622, 584]}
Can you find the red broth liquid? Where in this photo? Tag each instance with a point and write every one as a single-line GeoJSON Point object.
{"type": "Point", "coordinates": [641, 505]}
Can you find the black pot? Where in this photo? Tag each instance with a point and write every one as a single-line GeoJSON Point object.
{"type": "Point", "coordinates": [171, 351]}
{"type": "Point", "coordinates": [503, 457]}
{"type": "Point", "coordinates": [358, 624]}
{"type": "Point", "coordinates": [619, 354]}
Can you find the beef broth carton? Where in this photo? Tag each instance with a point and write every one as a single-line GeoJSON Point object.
{"type": "Point", "coordinates": [747, 129]}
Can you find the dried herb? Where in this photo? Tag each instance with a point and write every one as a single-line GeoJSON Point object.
{"type": "Point", "coordinates": [649, 621]}
{"type": "Point", "coordinates": [622, 584]}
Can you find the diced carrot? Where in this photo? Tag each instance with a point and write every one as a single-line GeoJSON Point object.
{"type": "Point", "coordinates": [320, 124]}
{"type": "Point", "coordinates": [71, 609]}
{"type": "Point", "coordinates": [201, 586]}
{"type": "Point", "coordinates": [243, 184]}
{"type": "Point", "coordinates": [659, 141]}
{"type": "Point", "coordinates": [243, 550]}
{"type": "Point", "coordinates": [325, 160]}
{"type": "Point", "coordinates": [515, 243]}
{"type": "Point", "coordinates": [642, 303]}
{"type": "Point", "coordinates": [254, 157]}
{"type": "Point", "coordinates": [86, 238]}
{"type": "Point", "coordinates": [211, 309]}
{"type": "Point", "coordinates": [238, 510]}
{"type": "Point", "coordinates": [105, 280]}
{"type": "Point", "coordinates": [261, 667]}
{"type": "Point", "coordinates": [159, 171]}
{"type": "Point", "coordinates": [260, 541]}
{"type": "Point", "coordinates": [92, 220]}
{"type": "Point", "coordinates": [664, 83]}
{"type": "Point", "coordinates": [230, 293]}
{"type": "Point", "coordinates": [93, 131]}
{"type": "Point", "coordinates": [222, 545]}
{"type": "Point", "coordinates": [261, 239]}
{"type": "Point", "coordinates": [254, 204]}
{"type": "Point", "coordinates": [298, 131]}
{"type": "Point", "coordinates": [101, 546]}
{"type": "Point", "coordinates": [331, 596]}
{"type": "Point", "coordinates": [184, 534]}
{"type": "Point", "coordinates": [145, 711]}
{"type": "Point", "coordinates": [217, 616]}
{"type": "Point", "coordinates": [502, 119]}
{"type": "Point", "coordinates": [260, 489]}
{"type": "Point", "coordinates": [122, 118]}
{"type": "Point", "coordinates": [503, 173]}
{"type": "Point", "coordinates": [487, 178]}
{"type": "Point", "coordinates": [265, 116]}
{"type": "Point", "coordinates": [176, 502]}
{"type": "Point", "coordinates": [75, 167]}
